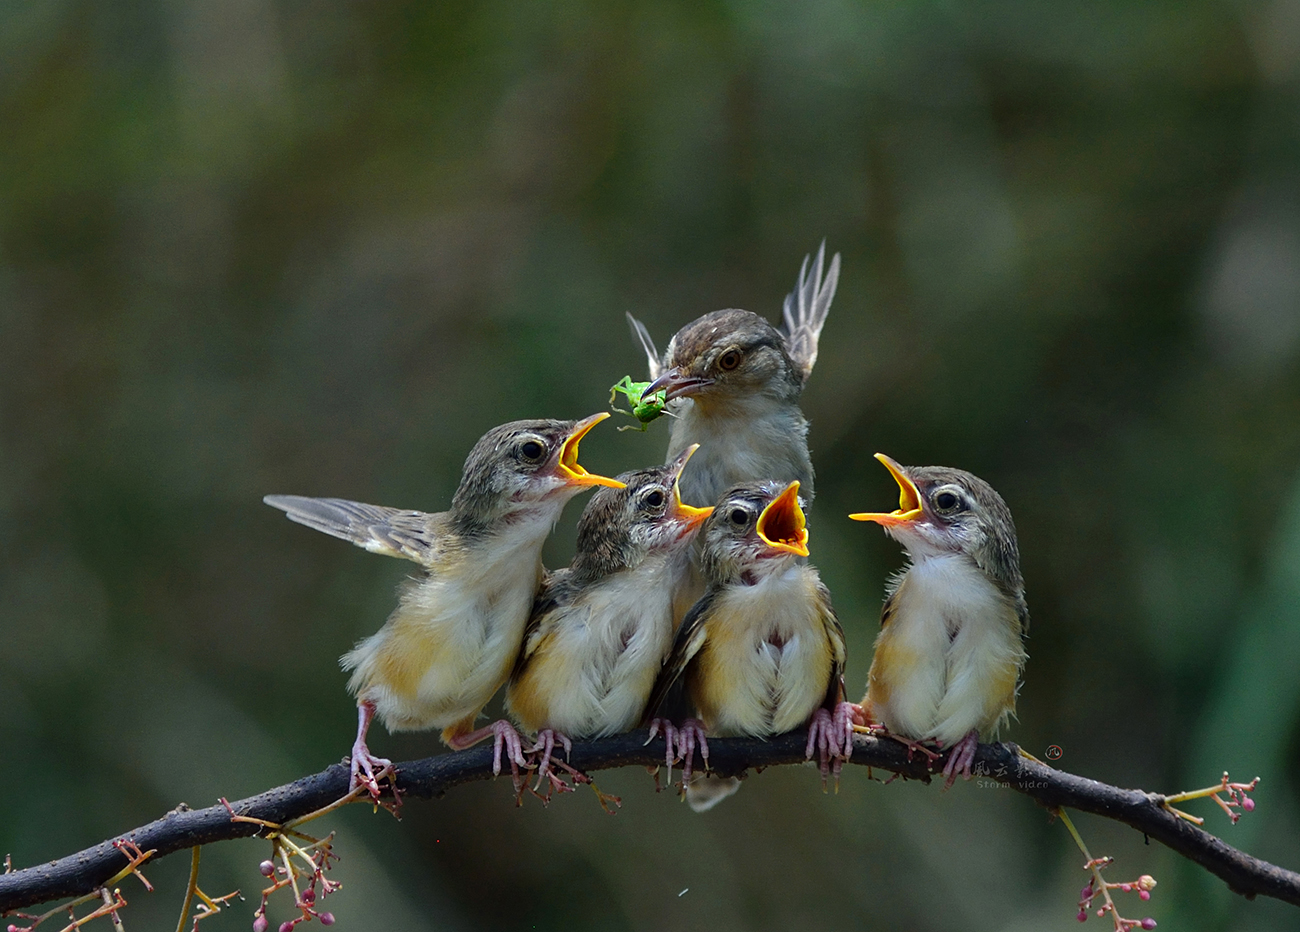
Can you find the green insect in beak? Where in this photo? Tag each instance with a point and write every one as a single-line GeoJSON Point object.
{"type": "Point", "coordinates": [644, 409]}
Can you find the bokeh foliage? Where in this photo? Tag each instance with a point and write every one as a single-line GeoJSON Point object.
{"type": "Point", "coordinates": [252, 247]}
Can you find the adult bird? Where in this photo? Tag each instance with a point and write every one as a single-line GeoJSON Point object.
{"type": "Point", "coordinates": [950, 651]}
{"type": "Point", "coordinates": [457, 629]}
{"type": "Point", "coordinates": [602, 628]}
{"type": "Point", "coordinates": [762, 652]}
{"type": "Point", "coordinates": [734, 383]}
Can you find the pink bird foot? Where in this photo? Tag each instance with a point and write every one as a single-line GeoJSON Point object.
{"type": "Point", "coordinates": [547, 739]}
{"type": "Point", "coordinates": [960, 758]}
{"type": "Point", "coordinates": [681, 744]}
{"type": "Point", "coordinates": [504, 737]}
{"type": "Point", "coordinates": [366, 768]}
{"type": "Point", "coordinates": [830, 733]}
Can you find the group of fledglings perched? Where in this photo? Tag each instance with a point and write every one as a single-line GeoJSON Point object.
{"type": "Point", "coordinates": [693, 619]}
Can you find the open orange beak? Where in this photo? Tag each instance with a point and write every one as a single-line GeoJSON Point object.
{"type": "Point", "coordinates": [568, 469]}
{"type": "Point", "coordinates": [909, 498]}
{"type": "Point", "coordinates": [689, 515]}
{"type": "Point", "coordinates": [782, 524]}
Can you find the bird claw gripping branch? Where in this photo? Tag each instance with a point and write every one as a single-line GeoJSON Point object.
{"type": "Point", "coordinates": [681, 743]}
{"type": "Point", "coordinates": [831, 735]}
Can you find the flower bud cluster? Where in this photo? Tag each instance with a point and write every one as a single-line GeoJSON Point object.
{"type": "Point", "coordinates": [1237, 797]}
{"type": "Point", "coordinates": [1097, 887]}
{"type": "Point", "coordinates": [308, 860]}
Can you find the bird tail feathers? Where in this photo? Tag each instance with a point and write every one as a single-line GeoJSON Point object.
{"type": "Point", "coordinates": [806, 308]}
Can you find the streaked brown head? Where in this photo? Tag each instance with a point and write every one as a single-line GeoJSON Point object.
{"type": "Point", "coordinates": [729, 354]}
{"type": "Point", "coordinates": [946, 510]}
{"type": "Point", "coordinates": [621, 527]}
{"type": "Point", "coordinates": [754, 529]}
{"type": "Point", "coordinates": [521, 465]}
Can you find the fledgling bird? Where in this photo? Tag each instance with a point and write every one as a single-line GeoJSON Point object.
{"type": "Point", "coordinates": [734, 383]}
{"type": "Point", "coordinates": [456, 631]}
{"type": "Point", "coordinates": [762, 652]}
{"type": "Point", "coordinates": [602, 628]}
{"type": "Point", "coordinates": [951, 645]}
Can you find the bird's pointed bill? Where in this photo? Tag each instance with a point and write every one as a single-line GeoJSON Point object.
{"type": "Point", "coordinates": [782, 525]}
{"type": "Point", "coordinates": [689, 515]}
{"type": "Point", "coordinates": [909, 498]}
{"type": "Point", "coordinates": [675, 383]}
{"type": "Point", "coordinates": [567, 466]}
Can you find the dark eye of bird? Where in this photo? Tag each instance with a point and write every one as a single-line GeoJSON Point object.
{"type": "Point", "coordinates": [946, 501]}
{"type": "Point", "coordinates": [532, 450]}
{"type": "Point", "coordinates": [729, 360]}
{"type": "Point", "coordinates": [655, 499]}
{"type": "Point", "coordinates": [739, 517]}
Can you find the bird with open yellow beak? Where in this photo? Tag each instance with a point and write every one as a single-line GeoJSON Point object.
{"type": "Point", "coordinates": [762, 652]}
{"type": "Point", "coordinates": [733, 383]}
{"type": "Point", "coordinates": [602, 628]}
{"type": "Point", "coordinates": [451, 641]}
{"type": "Point", "coordinates": [950, 651]}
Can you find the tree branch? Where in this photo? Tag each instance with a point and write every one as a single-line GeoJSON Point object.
{"type": "Point", "coordinates": [183, 828]}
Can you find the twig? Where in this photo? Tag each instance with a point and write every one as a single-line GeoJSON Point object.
{"type": "Point", "coordinates": [85, 871]}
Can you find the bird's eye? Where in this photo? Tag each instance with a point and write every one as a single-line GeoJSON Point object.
{"type": "Point", "coordinates": [739, 517]}
{"type": "Point", "coordinates": [729, 360]}
{"type": "Point", "coordinates": [947, 501]}
{"type": "Point", "coordinates": [654, 499]}
{"type": "Point", "coordinates": [532, 450]}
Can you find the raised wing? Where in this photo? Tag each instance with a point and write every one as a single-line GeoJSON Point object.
{"type": "Point", "coordinates": [642, 336]}
{"type": "Point", "coordinates": [806, 308]}
{"type": "Point", "coordinates": [390, 531]}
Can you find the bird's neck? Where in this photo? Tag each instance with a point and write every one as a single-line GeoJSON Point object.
{"type": "Point", "coordinates": [754, 438]}
{"type": "Point", "coordinates": [777, 597]}
{"type": "Point", "coordinates": [588, 568]}
{"type": "Point", "coordinates": [632, 589]}
{"type": "Point", "coordinates": [509, 520]}
{"type": "Point", "coordinates": [948, 584]}
{"type": "Point", "coordinates": [511, 536]}
{"type": "Point", "coordinates": [721, 407]}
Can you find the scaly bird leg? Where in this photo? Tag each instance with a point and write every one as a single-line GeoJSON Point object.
{"type": "Point", "coordinates": [681, 744]}
{"type": "Point", "coordinates": [547, 739]}
{"type": "Point", "coordinates": [669, 731]}
{"type": "Point", "coordinates": [830, 733]}
{"type": "Point", "coordinates": [503, 735]}
{"type": "Point", "coordinates": [366, 767]}
{"type": "Point", "coordinates": [689, 737]}
{"type": "Point", "coordinates": [960, 758]}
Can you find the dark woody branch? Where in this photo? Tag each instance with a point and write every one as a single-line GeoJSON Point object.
{"type": "Point", "coordinates": [183, 828]}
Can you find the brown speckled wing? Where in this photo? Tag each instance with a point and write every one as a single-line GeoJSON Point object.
{"type": "Point", "coordinates": [839, 650]}
{"type": "Point", "coordinates": [389, 531]}
{"type": "Point", "coordinates": [690, 638]}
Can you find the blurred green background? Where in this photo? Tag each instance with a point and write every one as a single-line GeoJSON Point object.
{"type": "Point", "coordinates": [319, 248]}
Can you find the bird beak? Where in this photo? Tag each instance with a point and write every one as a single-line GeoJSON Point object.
{"type": "Point", "coordinates": [909, 498]}
{"type": "Point", "coordinates": [782, 526]}
{"type": "Point", "coordinates": [689, 515]}
{"type": "Point", "coordinates": [675, 383]}
{"type": "Point", "coordinates": [567, 467]}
